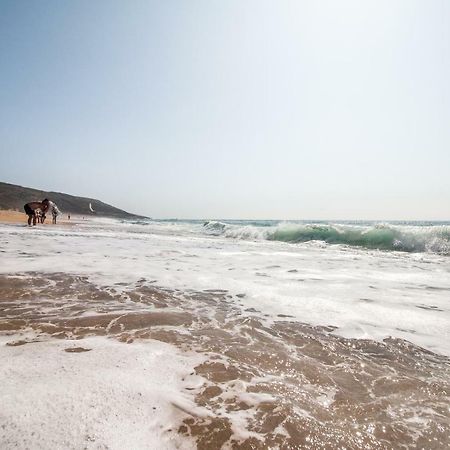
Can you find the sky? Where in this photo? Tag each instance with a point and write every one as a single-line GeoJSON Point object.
{"type": "Point", "coordinates": [318, 109]}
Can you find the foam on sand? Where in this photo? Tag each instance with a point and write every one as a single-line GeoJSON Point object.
{"type": "Point", "coordinates": [111, 395]}
{"type": "Point", "coordinates": [289, 343]}
{"type": "Point", "coordinates": [366, 294]}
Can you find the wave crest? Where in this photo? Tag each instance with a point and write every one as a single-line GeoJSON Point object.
{"type": "Point", "coordinates": [435, 239]}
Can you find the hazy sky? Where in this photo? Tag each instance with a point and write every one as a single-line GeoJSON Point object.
{"type": "Point", "coordinates": [231, 109]}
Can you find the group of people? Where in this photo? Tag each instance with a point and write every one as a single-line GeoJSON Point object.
{"type": "Point", "coordinates": [37, 211]}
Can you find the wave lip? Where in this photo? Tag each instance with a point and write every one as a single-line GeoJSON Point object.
{"type": "Point", "coordinates": [412, 239]}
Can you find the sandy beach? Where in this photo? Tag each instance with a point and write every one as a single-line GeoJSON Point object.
{"type": "Point", "coordinates": [156, 332]}
{"type": "Point", "coordinates": [20, 218]}
{"type": "Point", "coordinates": [252, 238]}
{"type": "Point", "coordinates": [10, 216]}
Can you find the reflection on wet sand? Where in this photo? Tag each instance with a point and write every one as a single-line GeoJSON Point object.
{"type": "Point", "coordinates": [277, 384]}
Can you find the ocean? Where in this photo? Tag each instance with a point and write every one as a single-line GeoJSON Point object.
{"type": "Point", "coordinates": [226, 334]}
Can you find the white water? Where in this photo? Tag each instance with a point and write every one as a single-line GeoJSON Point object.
{"type": "Point", "coordinates": [114, 396]}
{"type": "Point", "coordinates": [365, 293]}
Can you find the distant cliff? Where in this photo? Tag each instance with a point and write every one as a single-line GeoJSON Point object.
{"type": "Point", "coordinates": [14, 197]}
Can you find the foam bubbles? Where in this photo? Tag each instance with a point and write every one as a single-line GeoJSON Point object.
{"type": "Point", "coordinates": [363, 293]}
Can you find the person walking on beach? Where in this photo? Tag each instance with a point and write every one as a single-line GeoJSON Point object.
{"type": "Point", "coordinates": [32, 207]}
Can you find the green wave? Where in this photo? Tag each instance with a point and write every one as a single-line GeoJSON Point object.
{"type": "Point", "coordinates": [435, 239]}
{"type": "Point", "coordinates": [382, 238]}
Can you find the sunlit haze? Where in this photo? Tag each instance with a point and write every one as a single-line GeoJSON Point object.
{"type": "Point", "coordinates": [233, 109]}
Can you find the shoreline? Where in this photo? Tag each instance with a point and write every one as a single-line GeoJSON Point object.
{"type": "Point", "coordinates": [237, 378]}
{"type": "Point", "coordinates": [14, 217]}
{"type": "Point", "coordinates": [261, 353]}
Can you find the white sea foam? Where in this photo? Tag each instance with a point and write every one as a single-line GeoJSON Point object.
{"type": "Point", "coordinates": [114, 396]}
{"type": "Point", "coordinates": [365, 293]}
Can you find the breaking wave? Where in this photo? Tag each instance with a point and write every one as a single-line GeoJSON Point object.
{"type": "Point", "coordinates": [434, 239]}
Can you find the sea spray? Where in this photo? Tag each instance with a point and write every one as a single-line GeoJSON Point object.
{"type": "Point", "coordinates": [435, 239]}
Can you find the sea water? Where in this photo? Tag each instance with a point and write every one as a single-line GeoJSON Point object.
{"type": "Point", "coordinates": [301, 334]}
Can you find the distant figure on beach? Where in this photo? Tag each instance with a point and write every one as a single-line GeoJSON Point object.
{"type": "Point", "coordinates": [38, 214]}
{"type": "Point", "coordinates": [42, 217]}
{"type": "Point", "coordinates": [55, 213]}
{"type": "Point", "coordinates": [36, 210]}
{"type": "Point", "coordinates": [68, 217]}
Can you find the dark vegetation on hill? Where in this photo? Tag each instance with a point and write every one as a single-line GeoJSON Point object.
{"type": "Point", "coordinates": [14, 197]}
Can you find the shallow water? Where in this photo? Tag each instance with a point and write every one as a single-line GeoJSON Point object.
{"type": "Point", "coordinates": [367, 294]}
{"type": "Point", "coordinates": [309, 346]}
{"type": "Point", "coordinates": [266, 382]}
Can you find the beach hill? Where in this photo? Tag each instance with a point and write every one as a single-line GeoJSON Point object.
{"type": "Point", "coordinates": [14, 197]}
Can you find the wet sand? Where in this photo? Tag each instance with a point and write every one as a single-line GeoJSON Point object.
{"type": "Point", "coordinates": [9, 216]}
{"type": "Point", "coordinates": [266, 383]}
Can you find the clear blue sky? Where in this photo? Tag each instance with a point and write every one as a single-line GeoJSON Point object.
{"type": "Point", "coordinates": [236, 109]}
